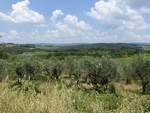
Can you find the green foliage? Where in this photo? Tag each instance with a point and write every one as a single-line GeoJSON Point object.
{"type": "Point", "coordinates": [128, 72]}
{"type": "Point", "coordinates": [28, 67]}
{"type": "Point", "coordinates": [89, 67]}
{"type": "Point", "coordinates": [3, 69]}
{"type": "Point", "coordinates": [53, 68]}
{"type": "Point", "coordinates": [146, 104]}
{"type": "Point", "coordinates": [20, 71]}
{"type": "Point", "coordinates": [102, 71]}
{"type": "Point", "coordinates": [141, 71]}
{"type": "Point", "coordinates": [108, 102]}
{"type": "Point", "coordinates": [81, 64]}
{"type": "Point", "coordinates": [26, 88]}
{"type": "Point", "coordinates": [76, 68]}
{"type": "Point", "coordinates": [3, 55]}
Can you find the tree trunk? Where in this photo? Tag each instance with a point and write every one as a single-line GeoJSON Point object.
{"type": "Point", "coordinates": [128, 81]}
{"type": "Point", "coordinates": [144, 84]}
{"type": "Point", "coordinates": [18, 80]}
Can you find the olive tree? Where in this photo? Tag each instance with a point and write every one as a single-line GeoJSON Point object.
{"type": "Point", "coordinates": [20, 71]}
{"type": "Point", "coordinates": [127, 71]}
{"type": "Point", "coordinates": [29, 67]}
{"type": "Point", "coordinates": [3, 55]}
{"type": "Point", "coordinates": [3, 69]}
{"type": "Point", "coordinates": [33, 68]}
{"type": "Point", "coordinates": [53, 68]}
{"type": "Point", "coordinates": [77, 69]}
{"type": "Point", "coordinates": [141, 69]}
{"type": "Point", "coordinates": [102, 71]}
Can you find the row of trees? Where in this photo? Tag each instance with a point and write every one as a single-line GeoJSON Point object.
{"type": "Point", "coordinates": [97, 71]}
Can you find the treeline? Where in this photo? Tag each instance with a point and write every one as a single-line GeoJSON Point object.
{"type": "Point", "coordinates": [115, 53]}
{"type": "Point", "coordinates": [100, 72]}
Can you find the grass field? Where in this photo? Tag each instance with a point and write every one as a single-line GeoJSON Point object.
{"type": "Point", "coordinates": [46, 97]}
{"type": "Point", "coordinates": [40, 53]}
{"type": "Point", "coordinates": [47, 47]}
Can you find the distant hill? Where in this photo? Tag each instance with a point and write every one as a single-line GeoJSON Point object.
{"type": "Point", "coordinates": [102, 46]}
{"type": "Point", "coordinates": [7, 45]}
{"type": "Point", "coordinates": [76, 44]}
{"type": "Point", "coordinates": [21, 48]}
{"type": "Point", "coordinates": [59, 44]}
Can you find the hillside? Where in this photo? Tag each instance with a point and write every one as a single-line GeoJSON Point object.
{"type": "Point", "coordinates": [21, 48]}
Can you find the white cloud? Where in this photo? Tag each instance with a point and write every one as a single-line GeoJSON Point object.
{"type": "Point", "coordinates": [13, 32]}
{"type": "Point", "coordinates": [59, 36]}
{"type": "Point", "coordinates": [56, 14]}
{"type": "Point", "coordinates": [73, 21]}
{"type": "Point", "coordinates": [118, 14]}
{"type": "Point", "coordinates": [22, 13]}
{"type": "Point", "coordinates": [41, 25]}
{"type": "Point", "coordinates": [5, 17]}
{"type": "Point", "coordinates": [67, 27]}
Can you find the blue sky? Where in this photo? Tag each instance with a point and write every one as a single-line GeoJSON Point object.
{"type": "Point", "coordinates": [75, 21]}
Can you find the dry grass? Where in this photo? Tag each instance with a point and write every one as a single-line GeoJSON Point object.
{"type": "Point", "coordinates": [37, 97]}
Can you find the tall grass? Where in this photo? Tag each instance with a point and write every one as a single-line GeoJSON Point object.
{"type": "Point", "coordinates": [38, 97]}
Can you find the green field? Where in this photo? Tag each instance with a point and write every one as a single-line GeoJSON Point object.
{"type": "Point", "coordinates": [146, 48]}
{"type": "Point", "coordinates": [47, 47]}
